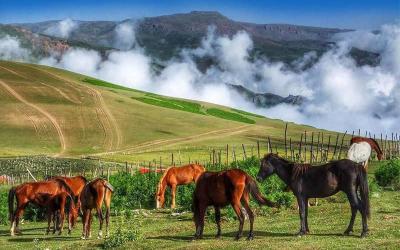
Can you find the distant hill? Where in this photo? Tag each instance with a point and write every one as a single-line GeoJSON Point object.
{"type": "Point", "coordinates": [163, 36]}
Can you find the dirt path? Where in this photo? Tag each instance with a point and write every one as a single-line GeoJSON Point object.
{"type": "Point", "coordinates": [40, 110]}
{"type": "Point", "coordinates": [112, 133]}
{"type": "Point", "coordinates": [169, 142]}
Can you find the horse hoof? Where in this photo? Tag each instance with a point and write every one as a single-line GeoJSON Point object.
{"type": "Point", "coordinates": [348, 232]}
{"type": "Point", "coordinates": [218, 236]}
{"type": "Point", "coordinates": [300, 234]}
{"type": "Point", "coordinates": [250, 237]}
{"type": "Point", "coordinates": [237, 238]}
{"type": "Point", "coordinates": [364, 234]}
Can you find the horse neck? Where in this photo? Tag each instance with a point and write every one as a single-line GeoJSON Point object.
{"type": "Point", "coordinates": [375, 146]}
{"type": "Point", "coordinates": [163, 183]}
{"type": "Point", "coordinates": [283, 170]}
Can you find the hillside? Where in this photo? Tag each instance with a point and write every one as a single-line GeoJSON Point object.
{"type": "Point", "coordinates": [56, 112]}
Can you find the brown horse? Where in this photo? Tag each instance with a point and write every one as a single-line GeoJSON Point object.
{"type": "Point", "coordinates": [55, 210]}
{"type": "Point", "coordinates": [93, 195]}
{"type": "Point", "coordinates": [219, 189]}
{"type": "Point", "coordinates": [76, 184]}
{"type": "Point", "coordinates": [322, 181]}
{"type": "Point", "coordinates": [39, 193]}
{"type": "Point", "coordinates": [175, 176]}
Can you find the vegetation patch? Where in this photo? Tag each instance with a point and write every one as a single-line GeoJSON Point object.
{"type": "Point", "coordinates": [101, 83]}
{"type": "Point", "coordinates": [247, 113]}
{"type": "Point", "coordinates": [388, 174]}
{"type": "Point", "coordinates": [171, 103]}
{"type": "Point", "coordinates": [229, 115]}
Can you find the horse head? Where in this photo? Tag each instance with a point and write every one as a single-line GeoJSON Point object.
{"type": "Point", "coordinates": [266, 166]}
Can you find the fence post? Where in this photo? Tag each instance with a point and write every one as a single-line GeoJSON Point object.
{"type": "Point", "coordinates": [341, 145]}
{"type": "Point", "coordinates": [227, 155]}
{"type": "Point", "coordinates": [286, 154]}
{"type": "Point", "coordinates": [244, 152]}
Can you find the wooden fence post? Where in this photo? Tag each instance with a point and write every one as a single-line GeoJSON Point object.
{"type": "Point", "coordinates": [341, 145]}
{"type": "Point", "coordinates": [286, 154]}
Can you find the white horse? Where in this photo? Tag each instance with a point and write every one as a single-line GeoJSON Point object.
{"type": "Point", "coordinates": [360, 152]}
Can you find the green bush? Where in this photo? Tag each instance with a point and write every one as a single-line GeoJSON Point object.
{"type": "Point", "coordinates": [120, 237]}
{"type": "Point", "coordinates": [388, 174]}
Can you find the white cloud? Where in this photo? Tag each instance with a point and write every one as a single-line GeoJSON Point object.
{"type": "Point", "coordinates": [62, 28]}
{"type": "Point", "coordinates": [10, 49]}
{"type": "Point", "coordinates": [124, 36]}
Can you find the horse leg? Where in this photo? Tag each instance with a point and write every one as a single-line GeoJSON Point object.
{"type": "Point", "coordinates": [218, 220]}
{"type": "Point", "coordinates": [48, 215]}
{"type": "Point", "coordinates": [17, 215]}
{"type": "Point", "coordinates": [173, 194]}
{"type": "Point", "coordinates": [90, 224]}
{"type": "Point", "coordinates": [108, 204]}
{"type": "Point", "coordinates": [306, 217]}
{"type": "Point", "coordinates": [302, 212]}
{"type": "Point", "coordinates": [85, 221]}
{"type": "Point", "coordinates": [250, 214]}
{"type": "Point", "coordinates": [62, 215]}
{"type": "Point", "coordinates": [100, 216]}
{"type": "Point", "coordinates": [355, 205]}
{"type": "Point", "coordinates": [364, 219]}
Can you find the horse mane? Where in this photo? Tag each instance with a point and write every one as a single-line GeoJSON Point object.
{"type": "Point", "coordinates": [299, 169]}
{"type": "Point", "coordinates": [65, 185]}
{"type": "Point", "coordinates": [162, 179]}
{"type": "Point", "coordinates": [377, 145]}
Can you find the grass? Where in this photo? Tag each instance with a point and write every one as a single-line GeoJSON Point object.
{"type": "Point", "coordinates": [229, 115]}
{"type": "Point", "coordinates": [275, 230]}
{"type": "Point", "coordinates": [246, 113]}
{"type": "Point", "coordinates": [139, 128]}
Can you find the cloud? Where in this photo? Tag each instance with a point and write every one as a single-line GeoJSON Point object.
{"type": "Point", "coordinates": [124, 36]}
{"type": "Point", "coordinates": [62, 28]}
{"type": "Point", "coordinates": [10, 49]}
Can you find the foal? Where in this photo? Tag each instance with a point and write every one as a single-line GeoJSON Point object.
{"type": "Point", "coordinates": [322, 181]}
{"type": "Point", "coordinates": [93, 195]}
{"type": "Point", "coordinates": [219, 189]}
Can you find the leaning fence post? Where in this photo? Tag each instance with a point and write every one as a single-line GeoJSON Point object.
{"type": "Point", "coordinates": [286, 154]}
{"type": "Point", "coordinates": [244, 152]}
{"type": "Point", "coordinates": [341, 145]}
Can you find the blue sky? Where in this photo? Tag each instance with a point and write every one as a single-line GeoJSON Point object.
{"type": "Point", "coordinates": [361, 14]}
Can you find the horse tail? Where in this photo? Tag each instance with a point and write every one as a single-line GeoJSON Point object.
{"type": "Point", "coordinates": [11, 195]}
{"type": "Point", "coordinates": [65, 186]}
{"type": "Point", "coordinates": [251, 185]}
{"type": "Point", "coordinates": [364, 190]}
{"type": "Point", "coordinates": [109, 186]}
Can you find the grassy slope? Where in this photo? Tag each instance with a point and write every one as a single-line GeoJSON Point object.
{"type": "Point", "coordinates": [273, 231]}
{"type": "Point", "coordinates": [98, 118]}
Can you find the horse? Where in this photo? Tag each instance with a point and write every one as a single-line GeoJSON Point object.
{"type": "Point", "coordinates": [55, 211]}
{"type": "Point", "coordinates": [360, 150]}
{"type": "Point", "coordinates": [93, 195]}
{"type": "Point", "coordinates": [219, 189]}
{"type": "Point", "coordinates": [322, 181]}
{"type": "Point", "coordinates": [175, 176]}
{"type": "Point", "coordinates": [39, 193]}
{"type": "Point", "coordinates": [76, 184]}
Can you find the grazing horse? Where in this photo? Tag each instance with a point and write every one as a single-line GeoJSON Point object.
{"type": "Point", "coordinates": [175, 176]}
{"type": "Point", "coordinates": [39, 193]}
{"type": "Point", "coordinates": [360, 150]}
{"type": "Point", "coordinates": [219, 189]}
{"type": "Point", "coordinates": [92, 197]}
{"type": "Point", "coordinates": [322, 181]}
{"type": "Point", "coordinates": [55, 210]}
{"type": "Point", "coordinates": [76, 184]}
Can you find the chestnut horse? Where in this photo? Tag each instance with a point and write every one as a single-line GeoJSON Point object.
{"type": "Point", "coordinates": [55, 210]}
{"type": "Point", "coordinates": [175, 176]}
{"type": "Point", "coordinates": [322, 181]}
{"type": "Point", "coordinates": [76, 184]}
{"type": "Point", "coordinates": [39, 193]}
{"type": "Point", "coordinates": [360, 150]}
{"type": "Point", "coordinates": [93, 195]}
{"type": "Point", "coordinates": [219, 189]}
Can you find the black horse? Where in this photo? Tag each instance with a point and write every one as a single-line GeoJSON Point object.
{"type": "Point", "coordinates": [321, 181]}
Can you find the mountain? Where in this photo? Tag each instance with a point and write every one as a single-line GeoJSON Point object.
{"type": "Point", "coordinates": [164, 36]}
{"type": "Point", "coordinates": [266, 100]}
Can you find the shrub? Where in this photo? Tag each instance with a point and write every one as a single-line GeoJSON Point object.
{"type": "Point", "coordinates": [3, 206]}
{"type": "Point", "coordinates": [388, 174]}
{"type": "Point", "coordinates": [120, 237]}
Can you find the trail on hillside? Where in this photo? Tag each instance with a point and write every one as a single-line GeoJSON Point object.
{"type": "Point", "coordinates": [112, 133]}
{"type": "Point", "coordinates": [40, 110]}
{"type": "Point", "coordinates": [203, 136]}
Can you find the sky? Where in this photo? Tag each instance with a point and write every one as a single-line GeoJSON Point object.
{"type": "Point", "coordinates": [355, 14]}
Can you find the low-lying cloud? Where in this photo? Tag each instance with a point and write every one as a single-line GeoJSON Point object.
{"type": "Point", "coordinates": [62, 28]}
{"type": "Point", "coordinates": [10, 49]}
{"type": "Point", "coordinates": [341, 95]}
